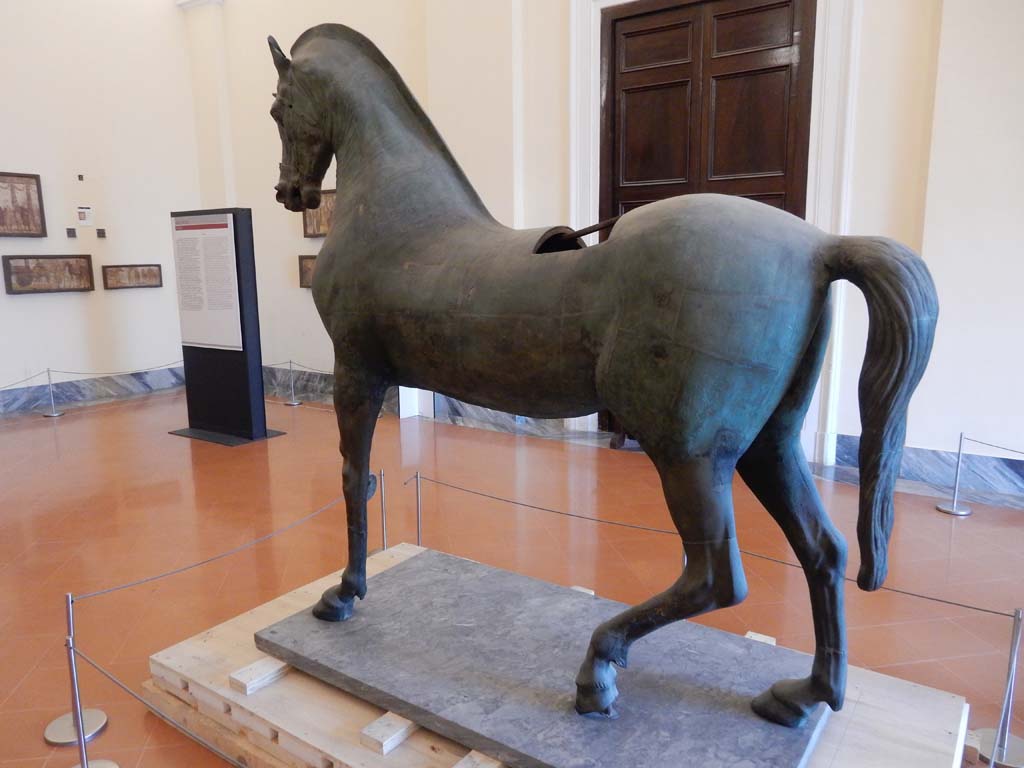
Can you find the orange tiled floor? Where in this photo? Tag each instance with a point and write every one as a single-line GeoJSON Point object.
{"type": "Point", "coordinates": [105, 495]}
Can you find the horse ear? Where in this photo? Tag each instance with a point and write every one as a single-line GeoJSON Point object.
{"type": "Point", "coordinates": [280, 60]}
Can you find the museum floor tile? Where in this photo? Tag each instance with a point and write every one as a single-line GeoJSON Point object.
{"type": "Point", "coordinates": [105, 496]}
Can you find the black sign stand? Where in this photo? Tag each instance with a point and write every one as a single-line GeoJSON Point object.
{"type": "Point", "coordinates": [224, 388]}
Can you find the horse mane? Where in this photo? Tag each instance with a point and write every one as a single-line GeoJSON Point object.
{"type": "Point", "coordinates": [366, 46]}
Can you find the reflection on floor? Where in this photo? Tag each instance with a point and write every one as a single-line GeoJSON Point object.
{"type": "Point", "coordinates": [104, 495]}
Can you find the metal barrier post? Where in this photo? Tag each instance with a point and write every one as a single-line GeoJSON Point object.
{"type": "Point", "coordinates": [998, 746]}
{"type": "Point", "coordinates": [54, 413]}
{"type": "Point", "coordinates": [78, 726]}
{"type": "Point", "coordinates": [291, 384]}
{"type": "Point", "coordinates": [419, 512]}
{"type": "Point", "coordinates": [953, 508]}
{"type": "Point", "coordinates": [383, 514]}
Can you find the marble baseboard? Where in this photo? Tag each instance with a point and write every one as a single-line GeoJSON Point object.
{"type": "Point", "coordinates": [851, 476]}
{"type": "Point", "coordinates": [309, 387]}
{"type": "Point", "coordinates": [985, 474]}
{"type": "Point", "coordinates": [313, 387]}
{"type": "Point", "coordinates": [87, 391]}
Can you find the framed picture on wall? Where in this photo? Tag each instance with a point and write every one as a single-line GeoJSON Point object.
{"type": "Point", "coordinates": [306, 266]}
{"type": "Point", "coordinates": [117, 276]}
{"type": "Point", "coordinates": [47, 274]}
{"type": "Point", "coordinates": [21, 205]}
{"type": "Point", "coordinates": [316, 222]}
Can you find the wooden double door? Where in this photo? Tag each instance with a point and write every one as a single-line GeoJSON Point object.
{"type": "Point", "coordinates": [706, 96]}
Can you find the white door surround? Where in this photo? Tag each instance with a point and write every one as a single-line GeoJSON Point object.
{"type": "Point", "coordinates": [833, 97]}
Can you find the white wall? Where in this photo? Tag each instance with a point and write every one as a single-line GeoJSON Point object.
{"type": "Point", "coordinates": [974, 230]}
{"type": "Point", "coordinates": [938, 157]}
{"type": "Point", "coordinates": [100, 90]}
{"type": "Point", "coordinates": [892, 128]}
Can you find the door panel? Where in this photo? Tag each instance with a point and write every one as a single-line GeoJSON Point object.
{"type": "Point", "coordinates": [752, 29]}
{"type": "Point", "coordinates": [748, 117]}
{"type": "Point", "coordinates": [705, 96]}
{"type": "Point", "coordinates": [647, 114]}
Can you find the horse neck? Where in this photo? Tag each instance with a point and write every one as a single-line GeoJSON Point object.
{"type": "Point", "coordinates": [393, 164]}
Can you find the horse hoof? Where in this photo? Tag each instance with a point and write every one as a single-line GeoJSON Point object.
{"type": "Point", "coordinates": [775, 710]}
{"type": "Point", "coordinates": [608, 713]}
{"type": "Point", "coordinates": [592, 701]}
{"type": "Point", "coordinates": [332, 607]}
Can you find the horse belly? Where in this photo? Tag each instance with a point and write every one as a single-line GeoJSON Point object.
{"type": "Point", "coordinates": [533, 365]}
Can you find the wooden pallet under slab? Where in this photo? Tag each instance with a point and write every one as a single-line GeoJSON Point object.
{"type": "Point", "coordinates": [256, 709]}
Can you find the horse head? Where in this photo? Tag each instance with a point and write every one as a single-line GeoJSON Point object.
{"type": "Point", "coordinates": [306, 142]}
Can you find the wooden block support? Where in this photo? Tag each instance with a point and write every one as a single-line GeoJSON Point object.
{"type": "Point", "coordinates": [303, 723]}
{"type": "Point", "coordinates": [259, 674]}
{"type": "Point", "coordinates": [478, 760]}
{"type": "Point", "coordinates": [387, 732]}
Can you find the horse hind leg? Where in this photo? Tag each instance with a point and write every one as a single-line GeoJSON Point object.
{"type": "Point", "coordinates": [776, 471]}
{"type": "Point", "coordinates": [699, 497]}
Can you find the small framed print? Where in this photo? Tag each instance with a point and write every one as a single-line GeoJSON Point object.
{"type": "Point", "coordinates": [306, 266]}
{"type": "Point", "coordinates": [118, 276]}
{"type": "Point", "coordinates": [316, 222]}
{"type": "Point", "coordinates": [21, 206]}
{"type": "Point", "coordinates": [47, 274]}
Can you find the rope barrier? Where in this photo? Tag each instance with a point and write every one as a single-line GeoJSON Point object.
{"type": "Point", "coordinates": [207, 561]}
{"type": "Point", "coordinates": [315, 370]}
{"type": "Point", "coordinates": [22, 381]}
{"type": "Point", "coordinates": [116, 373]}
{"type": "Point", "coordinates": [663, 530]}
{"type": "Point", "coordinates": [993, 445]}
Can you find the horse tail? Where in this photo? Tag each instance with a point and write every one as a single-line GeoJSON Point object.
{"type": "Point", "coordinates": [902, 310]}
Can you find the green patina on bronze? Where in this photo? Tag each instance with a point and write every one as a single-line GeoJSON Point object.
{"type": "Point", "coordinates": [700, 323]}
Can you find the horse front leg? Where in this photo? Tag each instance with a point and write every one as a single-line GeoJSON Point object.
{"type": "Point", "coordinates": [357, 413]}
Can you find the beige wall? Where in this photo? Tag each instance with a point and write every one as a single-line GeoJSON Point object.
{"type": "Point", "coordinates": [974, 230]}
{"type": "Point", "coordinates": [101, 91]}
{"type": "Point", "coordinates": [895, 81]}
{"type": "Point", "coordinates": [938, 159]}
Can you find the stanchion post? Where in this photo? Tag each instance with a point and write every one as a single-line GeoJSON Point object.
{"type": "Point", "coordinates": [76, 703]}
{"type": "Point", "coordinates": [383, 513]}
{"type": "Point", "coordinates": [291, 385]}
{"type": "Point", "coordinates": [54, 413]}
{"type": "Point", "coordinates": [998, 746]}
{"type": "Point", "coordinates": [78, 726]}
{"type": "Point", "coordinates": [419, 512]}
{"type": "Point", "coordinates": [953, 508]}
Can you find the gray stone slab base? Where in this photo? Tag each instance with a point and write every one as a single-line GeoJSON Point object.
{"type": "Point", "coordinates": [488, 658]}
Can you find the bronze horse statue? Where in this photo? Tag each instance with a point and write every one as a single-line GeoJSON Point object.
{"type": "Point", "coordinates": [700, 323]}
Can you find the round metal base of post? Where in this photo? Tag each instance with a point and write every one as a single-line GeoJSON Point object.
{"type": "Point", "coordinates": [1014, 749]}
{"type": "Point", "coordinates": [293, 403]}
{"type": "Point", "coordinates": [958, 511]}
{"type": "Point", "coordinates": [99, 764]}
{"type": "Point", "coordinates": [54, 414]}
{"type": "Point", "coordinates": [62, 733]}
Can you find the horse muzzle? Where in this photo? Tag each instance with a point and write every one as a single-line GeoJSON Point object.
{"type": "Point", "coordinates": [297, 198]}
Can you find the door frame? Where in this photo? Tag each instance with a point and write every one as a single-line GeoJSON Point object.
{"type": "Point", "coordinates": [829, 166]}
